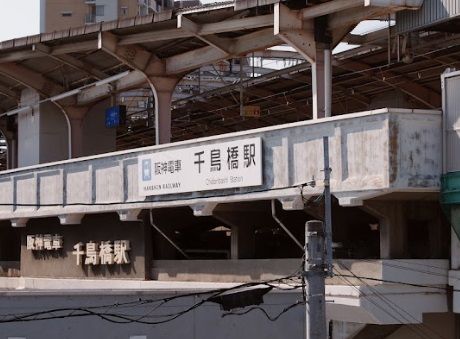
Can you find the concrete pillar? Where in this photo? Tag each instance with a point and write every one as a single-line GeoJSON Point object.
{"type": "Point", "coordinates": [42, 131]}
{"type": "Point", "coordinates": [455, 250]}
{"type": "Point", "coordinates": [89, 135]}
{"type": "Point", "coordinates": [317, 85]}
{"type": "Point", "coordinates": [163, 88]}
{"type": "Point", "coordinates": [393, 228]}
{"type": "Point", "coordinates": [242, 242]}
{"type": "Point", "coordinates": [12, 152]}
{"type": "Point", "coordinates": [435, 229]}
{"type": "Point", "coordinates": [242, 239]}
{"type": "Point", "coordinates": [76, 117]}
{"type": "Point", "coordinates": [321, 73]}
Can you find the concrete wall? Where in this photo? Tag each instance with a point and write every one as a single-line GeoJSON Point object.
{"type": "Point", "coordinates": [133, 7]}
{"type": "Point", "coordinates": [42, 132]}
{"type": "Point", "coordinates": [110, 10]}
{"type": "Point", "coordinates": [95, 228]}
{"type": "Point", "coordinates": [435, 325]}
{"type": "Point", "coordinates": [54, 21]}
{"type": "Point", "coordinates": [434, 271]}
{"type": "Point", "coordinates": [371, 153]}
{"type": "Point", "coordinates": [97, 138]}
{"type": "Point", "coordinates": [205, 322]}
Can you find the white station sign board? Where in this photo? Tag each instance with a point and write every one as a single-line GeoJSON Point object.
{"type": "Point", "coordinates": [208, 167]}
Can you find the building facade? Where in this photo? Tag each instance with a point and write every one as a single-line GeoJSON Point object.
{"type": "Point", "coordinates": [63, 14]}
{"type": "Point", "coordinates": [165, 241]}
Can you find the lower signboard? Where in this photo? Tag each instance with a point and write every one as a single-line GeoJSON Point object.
{"type": "Point", "coordinates": [231, 164]}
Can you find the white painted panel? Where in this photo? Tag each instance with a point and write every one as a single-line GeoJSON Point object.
{"type": "Point", "coordinates": [6, 194]}
{"type": "Point", "coordinates": [108, 185]}
{"type": "Point", "coordinates": [309, 160]}
{"type": "Point", "coordinates": [26, 192]}
{"type": "Point", "coordinates": [365, 149]}
{"type": "Point", "coordinates": [281, 164]}
{"type": "Point", "coordinates": [50, 185]}
{"type": "Point", "coordinates": [131, 187]}
{"type": "Point", "coordinates": [78, 185]}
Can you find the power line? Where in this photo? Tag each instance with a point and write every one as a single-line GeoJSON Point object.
{"type": "Point", "coordinates": [114, 317]}
{"type": "Point", "coordinates": [264, 312]}
{"type": "Point", "coordinates": [376, 304]}
{"type": "Point", "coordinates": [395, 307]}
{"type": "Point", "coordinates": [236, 193]}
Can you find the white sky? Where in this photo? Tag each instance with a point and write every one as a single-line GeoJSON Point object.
{"type": "Point", "coordinates": [19, 18]}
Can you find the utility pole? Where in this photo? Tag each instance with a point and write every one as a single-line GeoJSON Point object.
{"type": "Point", "coordinates": [327, 206]}
{"type": "Point", "coordinates": [318, 260]}
{"type": "Point", "coordinates": [315, 275]}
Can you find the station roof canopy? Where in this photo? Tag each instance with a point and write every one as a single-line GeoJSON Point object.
{"type": "Point", "coordinates": [87, 61]}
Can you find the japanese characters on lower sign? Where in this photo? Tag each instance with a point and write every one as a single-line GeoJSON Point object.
{"type": "Point", "coordinates": [103, 253]}
{"type": "Point", "coordinates": [44, 242]}
{"type": "Point", "coordinates": [216, 166]}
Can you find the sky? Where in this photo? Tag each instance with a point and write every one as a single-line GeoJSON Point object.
{"type": "Point", "coordinates": [19, 18]}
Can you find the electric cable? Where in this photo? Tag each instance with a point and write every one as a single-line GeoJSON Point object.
{"type": "Point", "coordinates": [123, 318]}
{"type": "Point", "coordinates": [376, 304]}
{"type": "Point", "coordinates": [393, 305]}
{"type": "Point", "coordinates": [224, 194]}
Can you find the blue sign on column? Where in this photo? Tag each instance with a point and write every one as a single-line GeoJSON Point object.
{"type": "Point", "coordinates": [146, 170]}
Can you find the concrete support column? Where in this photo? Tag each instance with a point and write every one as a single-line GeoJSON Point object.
{"type": "Point", "coordinates": [242, 239]}
{"type": "Point", "coordinates": [455, 241]}
{"type": "Point", "coordinates": [163, 88]}
{"type": "Point", "coordinates": [393, 228]}
{"type": "Point", "coordinates": [242, 242]}
{"type": "Point", "coordinates": [76, 116]}
{"type": "Point", "coordinates": [42, 131]}
{"type": "Point", "coordinates": [318, 84]}
{"type": "Point", "coordinates": [12, 152]}
{"type": "Point", "coordinates": [455, 250]}
{"type": "Point", "coordinates": [321, 73]}
{"type": "Point", "coordinates": [313, 40]}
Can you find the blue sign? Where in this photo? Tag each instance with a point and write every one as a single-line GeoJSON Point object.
{"type": "Point", "coordinates": [115, 116]}
{"type": "Point", "coordinates": [146, 170]}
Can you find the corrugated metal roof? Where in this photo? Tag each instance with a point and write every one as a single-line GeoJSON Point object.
{"type": "Point", "coordinates": [432, 12]}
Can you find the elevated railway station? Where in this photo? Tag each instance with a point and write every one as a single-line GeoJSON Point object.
{"type": "Point", "coordinates": [211, 184]}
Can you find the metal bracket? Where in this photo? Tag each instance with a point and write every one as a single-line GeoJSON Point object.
{"type": "Point", "coordinates": [71, 219]}
{"type": "Point", "coordinates": [20, 222]}
{"type": "Point", "coordinates": [129, 215]}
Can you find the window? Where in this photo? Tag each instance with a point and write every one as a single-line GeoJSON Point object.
{"type": "Point", "coordinates": [66, 13]}
{"type": "Point", "coordinates": [100, 10]}
{"type": "Point", "coordinates": [124, 11]}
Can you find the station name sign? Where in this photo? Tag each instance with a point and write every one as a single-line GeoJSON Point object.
{"type": "Point", "coordinates": [208, 167]}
